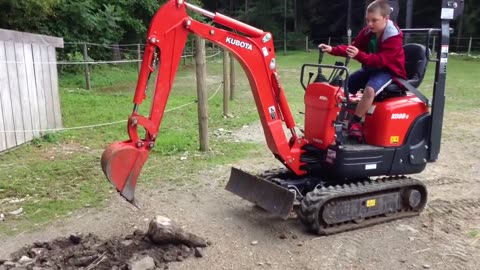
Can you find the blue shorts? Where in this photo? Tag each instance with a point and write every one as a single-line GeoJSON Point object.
{"type": "Point", "coordinates": [378, 79]}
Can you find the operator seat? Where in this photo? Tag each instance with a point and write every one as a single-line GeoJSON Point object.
{"type": "Point", "coordinates": [415, 66]}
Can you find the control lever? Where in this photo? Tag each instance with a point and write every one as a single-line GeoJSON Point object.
{"type": "Point", "coordinates": [338, 80]}
{"type": "Point", "coordinates": [320, 77]}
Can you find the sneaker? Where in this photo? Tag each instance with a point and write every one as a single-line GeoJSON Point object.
{"type": "Point", "coordinates": [355, 131]}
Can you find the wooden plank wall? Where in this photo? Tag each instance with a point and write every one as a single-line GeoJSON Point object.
{"type": "Point", "coordinates": [29, 96]}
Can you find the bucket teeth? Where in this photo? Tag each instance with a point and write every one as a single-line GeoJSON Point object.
{"type": "Point", "coordinates": [263, 193]}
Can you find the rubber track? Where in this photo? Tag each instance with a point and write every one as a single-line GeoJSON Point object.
{"type": "Point", "coordinates": [313, 203]}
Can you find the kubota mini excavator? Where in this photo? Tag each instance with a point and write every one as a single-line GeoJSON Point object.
{"type": "Point", "coordinates": [336, 184]}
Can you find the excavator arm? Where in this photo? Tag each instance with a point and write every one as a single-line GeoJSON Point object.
{"type": "Point", "coordinates": [167, 35]}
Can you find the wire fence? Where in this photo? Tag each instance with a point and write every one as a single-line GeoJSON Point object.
{"type": "Point", "coordinates": [459, 45]}
{"type": "Point", "coordinates": [78, 56]}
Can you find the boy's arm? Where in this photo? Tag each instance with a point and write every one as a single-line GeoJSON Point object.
{"type": "Point", "coordinates": [359, 42]}
{"type": "Point", "coordinates": [389, 50]}
{"type": "Point", "coordinates": [340, 50]}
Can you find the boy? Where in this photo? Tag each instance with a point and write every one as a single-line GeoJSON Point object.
{"type": "Point", "coordinates": [379, 48]}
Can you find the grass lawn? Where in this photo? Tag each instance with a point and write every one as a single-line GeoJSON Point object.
{"type": "Point", "coordinates": [59, 173]}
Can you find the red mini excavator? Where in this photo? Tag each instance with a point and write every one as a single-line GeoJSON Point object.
{"type": "Point", "coordinates": [334, 183]}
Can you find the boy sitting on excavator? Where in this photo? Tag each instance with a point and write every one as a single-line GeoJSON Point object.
{"type": "Point", "coordinates": [379, 48]}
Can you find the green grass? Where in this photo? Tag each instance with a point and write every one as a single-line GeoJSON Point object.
{"type": "Point", "coordinates": [60, 173]}
{"type": "Point", "coordinates": [473, 233]}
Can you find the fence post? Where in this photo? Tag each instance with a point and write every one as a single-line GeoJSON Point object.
{"type": "Point", "coordinates": [226, 83]}
{"type": "Point", "coordinates": [139, 56]}
{"type": "Point", "coordinates": [201, 71]}
{"type": "Point", "coordinates": [469, 46]}
{"type": "Point", "coordinates": [232, 78]}
{"type": "Point", "coordinates": [329, 39]}
{"type": "Point", "coordinates": [87, 70]}
{"type": "Point", "coordinates": [306, 43]}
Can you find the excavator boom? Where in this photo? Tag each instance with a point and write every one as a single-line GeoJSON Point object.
{"type": "Point", "coordinates": [167, 35]}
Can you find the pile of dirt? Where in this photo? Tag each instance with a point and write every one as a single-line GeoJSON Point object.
{"type": "Point", "coordinates": [137, 251]}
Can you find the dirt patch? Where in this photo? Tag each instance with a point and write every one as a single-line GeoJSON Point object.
{"type": "Point", "coordinates": [134, 251]}
{"type": "Point", "coordinates": [65, 151]}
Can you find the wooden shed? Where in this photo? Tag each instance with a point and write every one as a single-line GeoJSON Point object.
{"type": "Point", "coordinates": [29, 97]}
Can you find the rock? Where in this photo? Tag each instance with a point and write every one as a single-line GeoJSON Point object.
{"type": "Point", "coordinates": [260, 263]}
{"type": "Point", "coordinates": [168, 257]}
{"type": "Point", "coordinates": [143, 263]}
{"type": "Point", "coordinates": [299, 244]}
{"type": "Point", "coordinates": [25, 260]}
{"type": "Point", "coordinates": [425, 225]}
{"type": "Point", "coordinates": [294, 236]}
{"type": "Point", "coordinates": [138, 232]}
{"type": "Point", "coordinates": [282, 236]}
{"type": "Point", "coordinates": [75, 238]}
{"type": "Point", "coordinates": [404, 227]}
{"type": "Point", "coordinates": [9, 264]}
{"type": "Point", "coordinates": [254, 243]}
{"type": "Point", "coordinates": [35, 252]}
{"type": "Point", "coordinates": [83, 260]}
{"type": "Point", "coordinates": [16, 212]}
{"type": "Point", "coordinates": [209, 242]}
{"type": "Point", "coordinates": [427, 266]}
{"type": "Point", "coordinates": [162, 230]}
{"type": "Point", "coordinates": [198, 252]}
{"type": "Point", "coordinates": [126, 242]}
{"type": "Point", "coordinates": [185, 249]}
{"type": "Point", "coordinates": [180, 259]}
{"type": "Point", "coordinates": [2, 217]}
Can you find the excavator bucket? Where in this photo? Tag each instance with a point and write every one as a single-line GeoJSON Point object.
{"type": "Point", "coordinates": [121, 164]}
{"type": "Point", "coordinates": [263, 193]}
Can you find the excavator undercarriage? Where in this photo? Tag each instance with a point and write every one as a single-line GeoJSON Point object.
{"type": "Point", "coordinates": [330, 207]}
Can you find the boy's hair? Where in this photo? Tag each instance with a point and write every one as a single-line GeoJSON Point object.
{"type": "Point", "coordinates": [381, 6]}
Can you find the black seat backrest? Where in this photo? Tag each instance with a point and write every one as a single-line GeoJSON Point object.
{"type": "Point", "coordinates": [415, 63]}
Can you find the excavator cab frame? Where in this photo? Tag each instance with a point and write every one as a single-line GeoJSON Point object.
{"type": "Point", "coordinates": [329, 181]}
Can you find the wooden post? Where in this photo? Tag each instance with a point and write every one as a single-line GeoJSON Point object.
{"type": "Point", "coordinates": [469, 46]}
{"type": "Point", "coordinates": [201, 70]}
{"type": "Point", "coordinates": [329, 39]}
{"type": "Point", "coordinates": [117, 56]}
{"type": "Point", "coordinates": [232, 78]}
{"type": "Point", "coordinates": [139, 56]}
{"type": "Point", "coordinates": [192, 52]}
{"type": "Point", "coordinates": [87, 70]}
{"type": "Point", "coordinates": [226, 83]}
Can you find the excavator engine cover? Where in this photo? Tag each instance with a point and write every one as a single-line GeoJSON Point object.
{"type": "Point", "coordinates": [268, 195]}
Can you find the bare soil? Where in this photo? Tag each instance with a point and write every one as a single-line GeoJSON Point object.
{"type": "Point", "coordinates": [445, 236]}
{"type": "Point", "coordinates": [91, 252]}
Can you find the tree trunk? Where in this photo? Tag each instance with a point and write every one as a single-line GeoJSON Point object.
{"type": "Point", "coordinates": [231, 7]}
{"type": "Point", "coordinates": [408, 18]}
{"type": "Point", "coordinates": [295, 16]}
{"type": "Point", "coordinates": [246, 11]}
{"type": "Point", "coordinates": [459, 33]}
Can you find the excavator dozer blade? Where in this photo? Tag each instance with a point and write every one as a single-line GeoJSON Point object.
{"type": "Point", "coordinates": [265, 194]}
{"type": "Point", "coordinates": [121, 164]}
